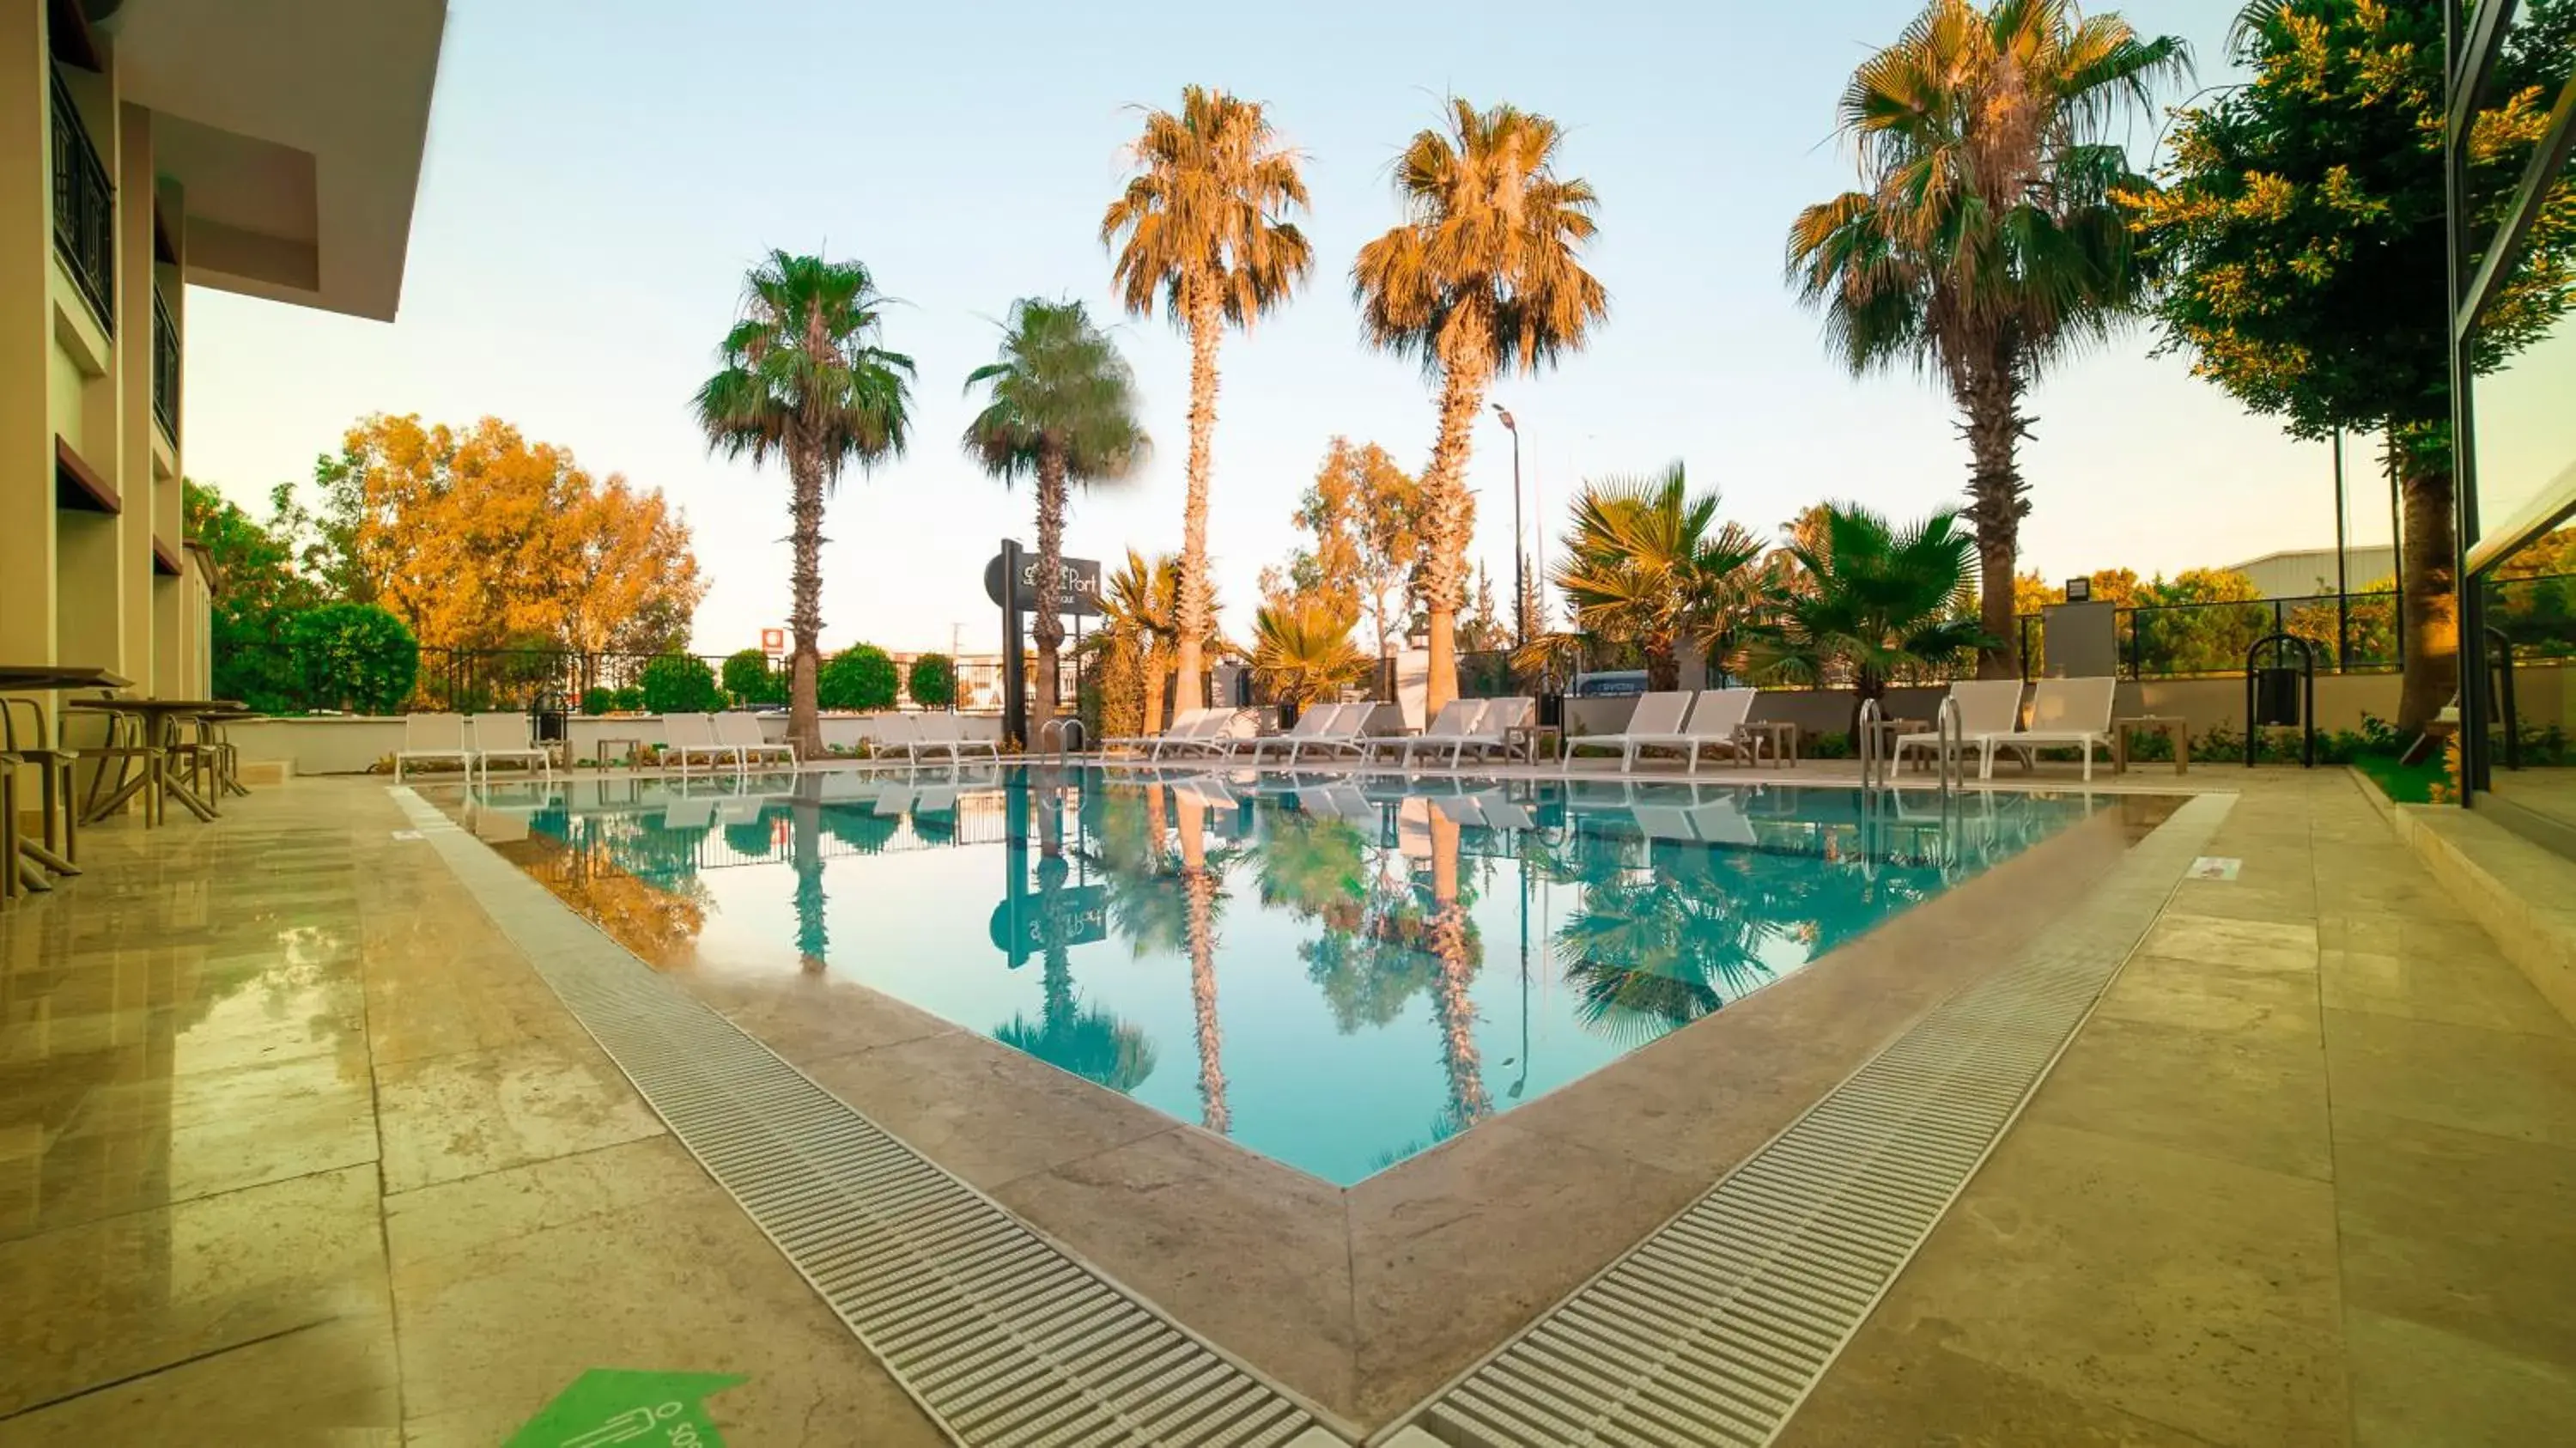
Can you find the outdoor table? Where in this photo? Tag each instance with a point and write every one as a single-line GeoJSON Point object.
{"type": "Point", "coordinates": [1891, 730]}
{"type": "Point", "coordinates": [1523, 739]}
{"type": "Point", "coordinates": [2175, 729]}
{"type": "Point", "coordinates": [608, 749]}
{"type": "Point", "coordinates": [1781, 734]}
{"type": "Point", "coordinates": [160, 722]}
{"type": "Point", "coordinates": [35, 678]}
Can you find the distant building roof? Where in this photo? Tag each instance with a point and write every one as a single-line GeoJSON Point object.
{"type": "Point", "coordinates": [2306, 572]}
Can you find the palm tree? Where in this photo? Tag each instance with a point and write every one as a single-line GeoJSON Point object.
{"type": "Point", "coordinates": [1453, 944]}
{"type": "Point", "coordinates": [1650, 564]}
{"type": "Point", "coordinates": [1871, 601]}
{"type": "Point", "coordinates": [1302, 648]}
{"type": "Point", "coordinates": [1141, 602]}
{"type": "Point", "coordinates": [1985, 245]}
{"type": "Point", "coordinates": [1063, 411]}
{"type": "Point", "coordinates": [804, 378]}
{"type": "Point", "coordinates": [1480, 279]}
{"type": "Point", "coordinates": [1203, 224]}
{"type": "Point", "coordinates": [1202, 879]}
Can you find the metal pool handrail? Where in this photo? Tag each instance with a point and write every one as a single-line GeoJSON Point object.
{"type": "Point", "coordinates": [1063, 727]}
{"type": "Point", "coordinates": [1868, 731]}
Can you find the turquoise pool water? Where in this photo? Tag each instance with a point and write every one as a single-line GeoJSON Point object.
{"type": "Point", "coordinates": [1334, 972]}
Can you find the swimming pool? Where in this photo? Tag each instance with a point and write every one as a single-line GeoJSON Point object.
{"type": "Point", "coordinates": [1333, 971]}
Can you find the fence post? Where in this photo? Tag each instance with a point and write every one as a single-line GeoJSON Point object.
{"type": "Point", "coordinates": [2136, 655]}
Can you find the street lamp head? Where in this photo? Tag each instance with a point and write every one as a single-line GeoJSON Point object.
{"type": "Point", "coordinates": [1505, 414]}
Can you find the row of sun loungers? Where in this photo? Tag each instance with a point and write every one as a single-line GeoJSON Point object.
{"type": "Point", "coordinates": [1338, 731]}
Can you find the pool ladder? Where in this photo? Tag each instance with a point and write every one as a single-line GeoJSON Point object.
{"type": "Point", "coordinates": [1065, 727]}
{"type": "Point", "coordinates": [1878, 772]}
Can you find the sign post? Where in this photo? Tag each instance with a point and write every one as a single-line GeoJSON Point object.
{"type": "Point", "coordinates": [1010, 580]}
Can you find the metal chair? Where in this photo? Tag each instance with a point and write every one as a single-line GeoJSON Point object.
{"type": "Point", "coordinates": [128, 738]}
{"type": "Point", "coordinates": [10, 864]}
{"type": "Point", "coordinates": [58, 844]}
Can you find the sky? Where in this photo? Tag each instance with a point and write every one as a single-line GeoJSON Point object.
{"type": "Point", "coordinates": [598, 177]}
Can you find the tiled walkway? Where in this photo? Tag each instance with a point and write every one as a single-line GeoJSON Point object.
{"type": "Point", "coordinates": [295, 1148]}
{"type": "Point", "coordinates": [2304, 1178]}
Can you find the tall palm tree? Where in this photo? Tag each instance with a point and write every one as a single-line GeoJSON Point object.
{"type": "Point", "coordinates": [1141, 602]}
{"type": "Point", "coordinates": [1452, 932]}
{"type": "Point", "coordinates": [803, 378]}
{"type": "Point", "coordinates": [1202, 878]}
{"type": "Point", "coordinates": [1984, 245]}
{"type": "Point", "coordinates": [1063, 411]}
{"type": "Point", "coordinates": [1204, 225]}
{"type": "Point", "coordinates": [1303, 649]}
{"type": "Point", "coordinates": [1870, 602]}
{"type": "Point", "coordinates": [1479, 280]}
{"type": "Point", "coordinates": [1649, 564]}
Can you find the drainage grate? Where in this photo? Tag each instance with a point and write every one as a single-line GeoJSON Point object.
{"type": "Point", "coordinates": [1713, 1329]}
{"type": "Point", "coordinates": [1003, 1338]}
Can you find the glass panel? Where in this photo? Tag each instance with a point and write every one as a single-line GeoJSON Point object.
{"type": "Point", "coordinates": [2531, 610]}
{"type": "Point", "coordinates": [2525, 424]}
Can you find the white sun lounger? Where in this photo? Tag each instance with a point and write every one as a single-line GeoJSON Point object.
{"type": "Point", "coordinates": [1986, 706]}
{"type": "Point", "coordinates": [1449, 729]}
{"type": "Point", "coordinates": [2062, 712]}
{"type": "Point", "coordinates": [742, 732]}
{"type": "Point", "coordinates": [503, 736]}
{"type": "Point", "coordinates": [1145, 743]}
{"type": "Point", "coordinates": [741, 809]}
{"type": "Point", "coordinates": [1716, 719]}
{"type": "Point", "coordinates": [693, 736]}
{"type": "Point", "coordinates": [434, 736]}
{"type": "Point", "coordinates": [689, 812]}
{"type": "Point", "coordinates": [1491, 732]}
{"type": "Point", "coordinates": [939, 799]}
{"type": "Point", "coordinates": [893, 802]}
{"type": "Point", "coordinates": [1317, 722]}
{"type": "Point", "coordinates": [1656, 720]}
{"type": "Point", "coordinates": [1503, 812]}
{"type": "Point", "coordinates": [947, 733]}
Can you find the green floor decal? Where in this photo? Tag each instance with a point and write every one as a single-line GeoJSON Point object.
{"type": "Point", "coordinates": [607, 1406]}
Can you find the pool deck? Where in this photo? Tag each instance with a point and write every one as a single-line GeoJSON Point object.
{"type": "Point", "coordinates": [296, 1146]}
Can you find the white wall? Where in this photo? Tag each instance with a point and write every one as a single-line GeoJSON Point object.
{"type": "Point", "coordinates": [353, 745]}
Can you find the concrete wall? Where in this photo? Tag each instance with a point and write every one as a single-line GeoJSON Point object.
{"type": "Point", "coordinates": [353, 745]}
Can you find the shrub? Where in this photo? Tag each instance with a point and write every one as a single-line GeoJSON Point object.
{"type": "Point", "coordinates": [933, 684]}
{"type": "Point", "coordinates": [355, 657]}
{"type": "Point", "coordinates": [860, 677]}
{"type": "Point", "coordinates": [596, 702]}
{"type": "Point", "coordinates": [627, 700]}
{"type": "Point", "coordinates": [750, 680]}
{"type": "Point", "coordinates": [680, 684]}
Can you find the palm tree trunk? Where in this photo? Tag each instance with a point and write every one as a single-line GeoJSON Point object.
{"type": "Point", "coordinates": [805, 579]}
{"type": "Point", "coordinates": [1991, 398]}
{"type": "Point", "coordinates": [2430, 609]}
{"type": "Point", "coordinates": [1150, 667]}
{"type": "Point", "coordinates": [1201, 884]}
{"type": "Point", "coordinates": [1048, 632]}
{"type": "Point", "coordinates": [1444, 573]}
{"type": "Point", "coordinates": [805, 840]}
{"type": "Point", "coordinates": [1205, 320]}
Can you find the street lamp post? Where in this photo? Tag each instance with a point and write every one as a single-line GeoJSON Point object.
{"type": "Point", "coordinates": [1520, 585]}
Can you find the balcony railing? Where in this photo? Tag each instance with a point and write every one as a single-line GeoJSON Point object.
{"type": "Point", "coordinates": [165, 368]}
{"type": "Point", "coordinates": [84, 209]}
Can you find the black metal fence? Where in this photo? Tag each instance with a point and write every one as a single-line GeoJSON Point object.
{"type": "Point", "coordinates": [84, 208]}
{"type": "Point", "coordinates": [165, 367]}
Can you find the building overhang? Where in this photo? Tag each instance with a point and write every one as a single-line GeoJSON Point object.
{"type": "Point", "coordinates": [294, 130]}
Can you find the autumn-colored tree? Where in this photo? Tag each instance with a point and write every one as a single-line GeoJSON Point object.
{"type": "Point", "coordinates": [478, 538]}
{"type": "Point", "coordinates": [1481, 279]}
{"type": "Point", "coordinates": [1203, 227]}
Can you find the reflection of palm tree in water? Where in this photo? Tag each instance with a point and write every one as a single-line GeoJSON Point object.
{"type": "Point", "coordinates": [1452, 945]}
{"type": "Point", "coordinates": [806, 840]}
{"type": "Point", "coordinates": [1200, 881]}
{"type": "Point", "coordinates": [1652, 950]}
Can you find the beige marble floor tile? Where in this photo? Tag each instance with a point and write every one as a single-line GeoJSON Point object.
{"type": "Point", "coordinates": [2416, 1386]}
{"type": "Point", "coordinates": [2223, 999]}
{"type": "Point", "coordinates": [2172, 1286]}
{"type": "Point", "coordinates": [2459, 989]}
{"type": "Point", "coordinates": [2256, 1098]}
{"type": "Point", "coordinates": [2502, 1082]}
{"type": "Point", "coordinates": [1900, 1385]}
{"type": "Point", "coordinates": [331, 1385]}
{"type": "Point", "coordinates": [1470, 1240]}
{"type": "Point", "coordinates": [1246, 1251]}
{"type": "Point", "coordinates": [812, 1018]}
{"type": "Point", "coordinates": [135, 1293]}
{"type": "Point", "coordinates": [224, 1130]}
{"type": "Point", "coordinates": [508, 1286]}
{"type": "Point", "coordinates": [982, 1110]}
{"type": "Point", "coordinates": [2459, 1230]}
{"type": "Point", "coordinates": [2250, 944]}
{"type": "Point", "coordinates": [446, 1117]}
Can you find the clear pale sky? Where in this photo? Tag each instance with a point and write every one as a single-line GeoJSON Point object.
{"type": "Point", "coordinates": [599, 176]}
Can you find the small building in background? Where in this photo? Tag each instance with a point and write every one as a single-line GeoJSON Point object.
{"type": "Point", "coordinates": [2307, 572]}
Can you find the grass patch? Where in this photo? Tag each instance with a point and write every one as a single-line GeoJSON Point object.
{"type": "Point", "coordinates": [2403, 783]}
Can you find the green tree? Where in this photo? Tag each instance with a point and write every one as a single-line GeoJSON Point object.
{"type": "Point", "coordinates": [2302, 220]}
{"type": "Point", "coordinates": [804, 379]}
{"type": "Point", "coordinates": [748, 679]}
{"type": "Point", "coordinates": [1062, 411]}
{"type": "Point", "coordinates": [1649, 563]}
{"type": "Point", "coordinates": [1364, 517]}
{"type": "Point", "coordinates": [1302, 649]}
{"type": "Point", "coordinates": [260, 594]}
{"type": "Point", "coordinates": [680, 684]}
{"type": "Point", "coordinates": [1868, 602]}
{"type": "Point", "coordinates": [932, 682]}
{"type": "Point", "coordinates": [860, 677]}
{"type": "Point", "coordinates": [1984, 245]}
{"type": "Point", "coordinates": [1203, 225]}
{"type": "Point", "coordinates": [354, 657]}
{"type": "Point", "coordinates": [1480, 280]}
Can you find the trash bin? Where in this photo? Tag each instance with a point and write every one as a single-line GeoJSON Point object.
{"type": "Point", "coordinates": [2276, 698]}
{"type": "Point", "coordinates": [547, 718]}
{"type": "Point", "coordinates": [1551, 709]}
